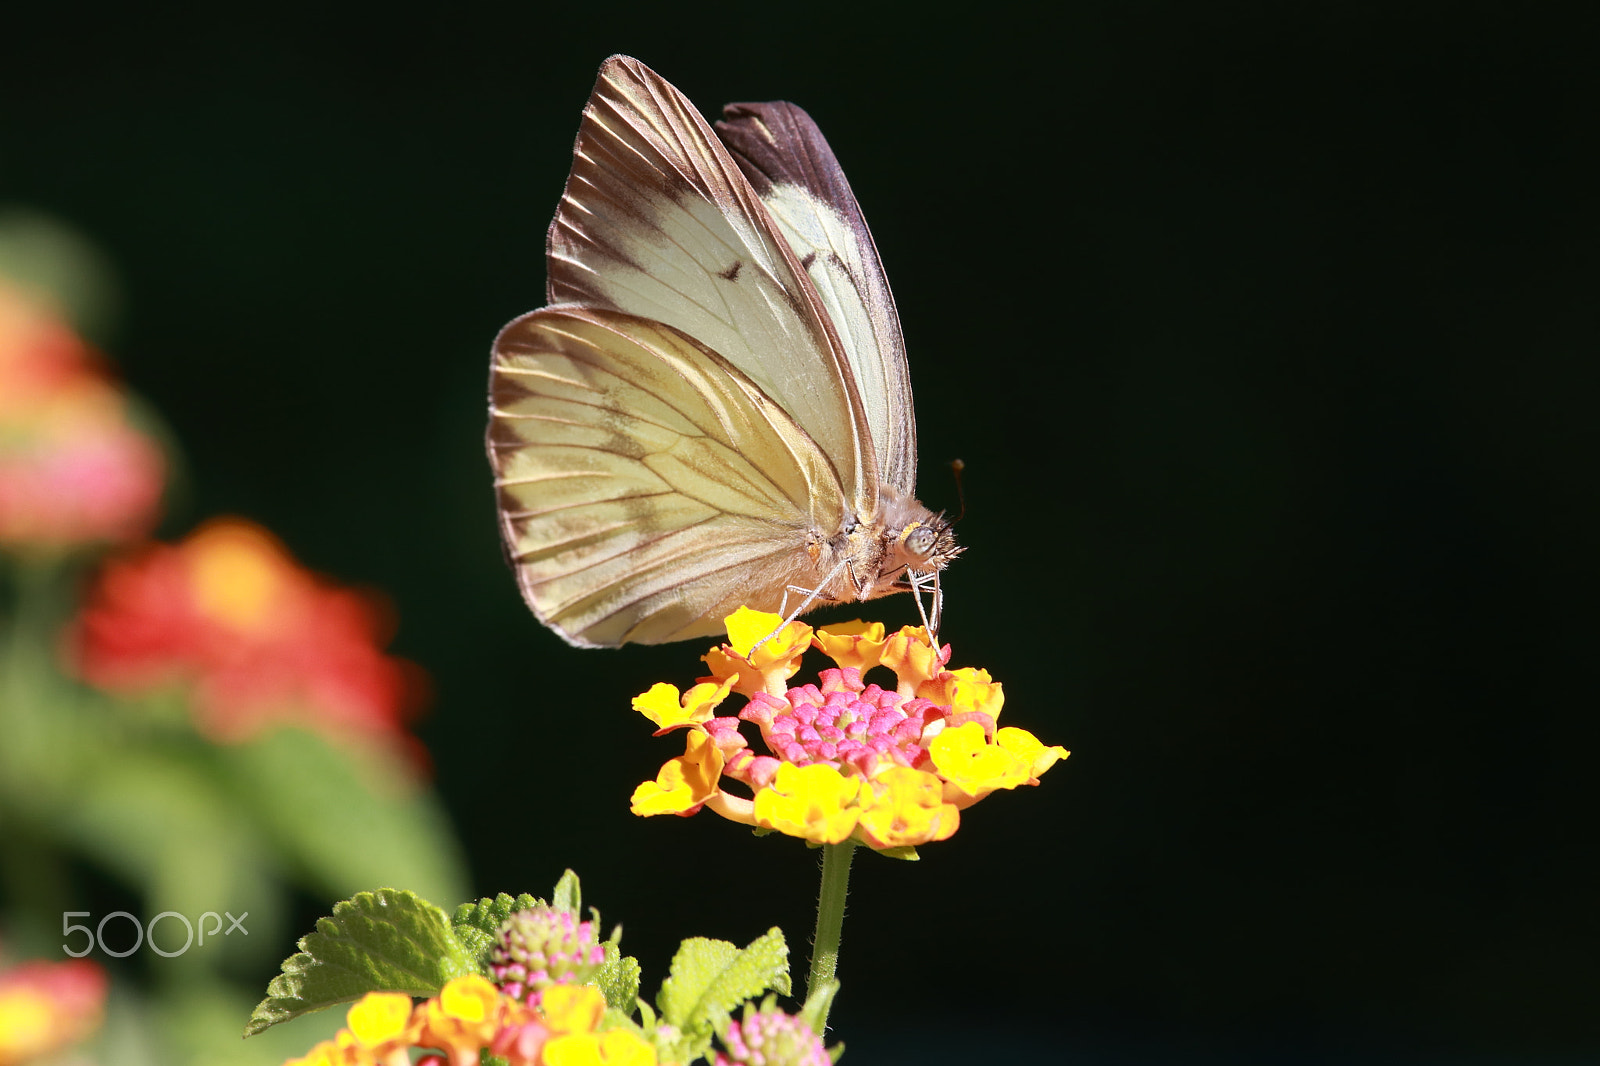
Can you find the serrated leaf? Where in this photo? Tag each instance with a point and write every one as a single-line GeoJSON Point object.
{"type": "Point", "coordinates": [567, 895]}
{"type": "Point", "coordinates": [618, 979]}
{"type": "Point", "coordinates": [475, 924]}
{"type": "Point", "coordinates": [616, 1019]}
{"type": "Point", "coordinates": [384, 941]}
{"type": "Point", "coordinates": [711, 977]}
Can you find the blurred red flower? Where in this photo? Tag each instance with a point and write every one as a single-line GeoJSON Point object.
{"type": "Point", "coordinates": [44, 1006]}
{"type": "Point", "coordinates": [73, 469]}
{"type": "Point", "coordinates": [260, 639]}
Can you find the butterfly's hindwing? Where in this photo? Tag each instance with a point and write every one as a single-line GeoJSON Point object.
{"type": "Point", "coordinates": [645, 485]}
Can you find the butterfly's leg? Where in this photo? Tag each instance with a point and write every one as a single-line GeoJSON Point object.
{"type": "Point", "coordinates": [917, 582]}
{"type": "Point", "coordinates": [783, 608]}
{"type": "Point", "coordinates": [811, 594]}
{"type": "Point", "coordinates": [931, 617]}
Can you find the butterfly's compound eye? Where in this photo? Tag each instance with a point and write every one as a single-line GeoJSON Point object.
{"type": "Point", "coordinates": [919, 542]}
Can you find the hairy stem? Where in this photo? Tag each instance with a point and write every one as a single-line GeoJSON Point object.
{"type": "Point", "coordinates": [830, 915]}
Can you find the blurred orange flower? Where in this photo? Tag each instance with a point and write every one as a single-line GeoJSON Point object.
{"type": "Point", "coordinates": [261, 639]}
{"type": "Point", "coordinates": [73, 469]}
{"type": "Point", "coordinates": [44, 1006]}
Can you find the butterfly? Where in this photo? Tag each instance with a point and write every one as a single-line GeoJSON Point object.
{"type": "Point", "coordinates": [714, 408]}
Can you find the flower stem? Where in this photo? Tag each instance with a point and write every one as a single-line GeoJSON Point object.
{"type": "Point", "coordinates": [25, 657]}
{"type": "Point", "coordinates": [830, 916]}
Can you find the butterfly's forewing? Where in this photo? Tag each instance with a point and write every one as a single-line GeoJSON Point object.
{"type": "Point", "coordinates": [647, 487]}
{"type": "Point", "coordinates": [790, 166]}
{"type": "Point", "coordinates": [658, 221]}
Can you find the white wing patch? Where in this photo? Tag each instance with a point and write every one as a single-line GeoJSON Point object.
{"type": "Point", "coordinates": [658, 221]}
{"type": "Point", "coordinates": [793, 170]}
{"type": "Point", "coordinates": [832, 257]}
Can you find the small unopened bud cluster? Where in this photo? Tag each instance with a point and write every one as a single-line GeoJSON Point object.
{"type": "Point", "coordinates": [540, 947]}
{"type": "Point", "coordinates": [772, 1038]}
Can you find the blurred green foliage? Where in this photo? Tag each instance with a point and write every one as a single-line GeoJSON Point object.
{"type": "Point", "coordinates": [119, 803]}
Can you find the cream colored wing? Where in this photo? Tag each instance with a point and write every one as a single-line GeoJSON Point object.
{"type": "Point", "coordinates": [790, 166]}
{"type": "Point", "coordinates": [646, 487]}
{"type": "Point", "coordinates": [658, 221]}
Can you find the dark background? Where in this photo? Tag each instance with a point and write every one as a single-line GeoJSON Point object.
{"type": "Point", "coordinates": [1268, 339]}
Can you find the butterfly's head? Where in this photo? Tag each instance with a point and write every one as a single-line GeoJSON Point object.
{"type": "Point", "coordinates": [912, 538]}
{"type": "Point", "coordinates": [923, 545]}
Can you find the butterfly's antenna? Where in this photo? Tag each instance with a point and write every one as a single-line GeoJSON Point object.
{"type": "Point", "coordinates": [956, 467]}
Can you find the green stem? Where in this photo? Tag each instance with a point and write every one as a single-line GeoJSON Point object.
{"type": "Point", "coordinates": [25, 663]}
{"type": "Point", "coordinates": [830, 916]}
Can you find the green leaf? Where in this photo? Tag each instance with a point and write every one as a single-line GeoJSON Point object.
{"type": "Point", "coordinates": [711, 977]}
{"type": "Point", "coordinates": [906, 852]}
{"type": "Point", "coordinates": [618, 979]}
{"type": "Point", "coordinates": [567, 896]}
{"type": "Point", "coordinates": [383, 941]}
{"type": "Point", "coordinates": [475, 924]}
{"type": "Point", "coordinates": [46, 254]}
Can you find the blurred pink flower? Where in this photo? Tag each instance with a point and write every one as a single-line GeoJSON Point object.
{"type": "Point", "coordinates": [73, 469]}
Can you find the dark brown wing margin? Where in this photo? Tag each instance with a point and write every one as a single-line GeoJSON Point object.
{"type": "Point", "coordinates": [778, 144]}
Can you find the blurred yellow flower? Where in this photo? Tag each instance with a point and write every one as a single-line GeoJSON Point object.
{"type": "Point", "coordinates": [618, 1047]}
{"type": "Point", "coordinates": [471, 1017]}
{"type": "Point", "coordinates": [382, 1020]}
{"type": "Point", "coordinates": [45, 1006]}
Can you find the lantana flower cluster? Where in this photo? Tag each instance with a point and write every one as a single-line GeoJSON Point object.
{"type": "Point", "coordinates": [256, 638]}
{"type": "Point", "coordinates": [889, 768]}
{"type": "Point", "coordinates": [470, 1017]}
